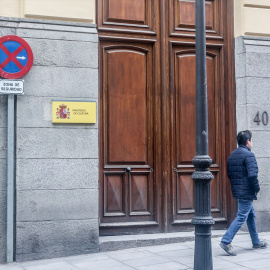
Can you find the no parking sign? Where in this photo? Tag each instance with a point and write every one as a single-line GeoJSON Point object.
{"type": "Point", "coordinates": [16, 57]}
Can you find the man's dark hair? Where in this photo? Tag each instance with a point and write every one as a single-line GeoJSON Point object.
{"type": "Point", "coordinates": [243, 136]}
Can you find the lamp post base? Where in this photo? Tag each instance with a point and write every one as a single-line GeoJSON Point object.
{"type": "Point", "coordinates": [203, 248]}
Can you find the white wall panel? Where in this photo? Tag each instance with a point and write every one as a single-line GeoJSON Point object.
{"type": "Point", "coordinates": [81, 10]}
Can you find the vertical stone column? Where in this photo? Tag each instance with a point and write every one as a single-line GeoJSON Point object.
{"type": "Point", "coordinates": [252, 66]}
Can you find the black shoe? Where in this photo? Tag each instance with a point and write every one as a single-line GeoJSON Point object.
{"type": "Point", "coordinates": [262, 244]}
{"type": "Point", "coordinates": [227, 248]}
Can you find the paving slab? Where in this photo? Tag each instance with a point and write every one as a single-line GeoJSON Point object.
{"type": "Point", "coordinates": [162, 266]}
{"type": "Point", "coordinates": [172, 256]}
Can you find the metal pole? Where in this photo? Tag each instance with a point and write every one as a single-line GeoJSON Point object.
{"type": "Point", "coordinates": [202, 176]}
{"type": "Point", "coordinates": [10, 178]}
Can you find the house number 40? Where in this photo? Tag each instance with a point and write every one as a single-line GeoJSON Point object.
{"type": "Point", "coordinates": [264, 118]}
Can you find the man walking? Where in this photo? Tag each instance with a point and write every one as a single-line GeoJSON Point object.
{"type": "Point", "coordinates": [242, 171]}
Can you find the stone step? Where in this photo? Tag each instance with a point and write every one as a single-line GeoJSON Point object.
{"type": "Point", "coordinates": [111, 243]}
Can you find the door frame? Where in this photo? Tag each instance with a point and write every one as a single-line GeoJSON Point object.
{"type": "Point", "coordinates": [163, 118]}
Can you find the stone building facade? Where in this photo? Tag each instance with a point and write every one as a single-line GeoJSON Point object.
{"type": "Point", "coordinates": [253, 82]}
{"type": "Point", "coordinates": [57, 165]}
{"type": "Point", "coordinates": [252, 48]}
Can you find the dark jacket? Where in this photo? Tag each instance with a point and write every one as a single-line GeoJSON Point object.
{"type": "Point", "coordinates": [242, 171]}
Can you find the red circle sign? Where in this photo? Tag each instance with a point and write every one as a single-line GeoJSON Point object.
{"type": "Point", "coordinates": [16, 57]}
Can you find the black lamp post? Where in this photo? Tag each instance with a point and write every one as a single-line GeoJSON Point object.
{"type": "Point", "coordinates": [202, 176]}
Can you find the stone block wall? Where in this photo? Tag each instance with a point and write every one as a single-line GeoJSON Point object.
{"type": "Point", "coordinates": [56, 164]}
{"type": "Point", "coordinates": [253, 103]}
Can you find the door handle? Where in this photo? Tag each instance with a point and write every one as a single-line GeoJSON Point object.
{"type": "Point", "coordinates": [128, 169]}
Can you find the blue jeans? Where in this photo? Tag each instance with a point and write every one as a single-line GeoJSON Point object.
{"type": "Point", "coordinates": [246, 213]}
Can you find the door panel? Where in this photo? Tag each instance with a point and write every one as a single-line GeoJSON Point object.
{"type": "Point", "coordinates": [126, 15]}
{"type": "Point", "coordinates": [114, 186]}
{"type": "Point", "coordinates": [128, 193]}
{"type": "Point", "coordinates": [126, 95]}
{"type": "Point", "coordinates": [128, 10]}
{"type": "Point", "coordinates": [185, 194]}
{"type": "Point", "coordinates": [186, 14]}
{"type": "Point", "coordinates": [184, 104]}
{"type": "Point", "coordinates": [183, 16]}
{"type": "Point", "coordinates": [184, 116]}
{"type": "Point", "coordinates": [140, 194]}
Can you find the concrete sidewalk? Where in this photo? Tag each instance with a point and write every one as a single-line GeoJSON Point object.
{"type": "Point", "coordinates": [162, 257]}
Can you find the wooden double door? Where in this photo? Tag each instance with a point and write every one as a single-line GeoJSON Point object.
{"type": "Point", "coordinates": [147, 112]}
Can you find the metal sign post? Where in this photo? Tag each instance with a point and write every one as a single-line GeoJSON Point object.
{"type": "Point", "coordinates": [10, 177]}
{"type": "Point", "coordinates": [16, 59]}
